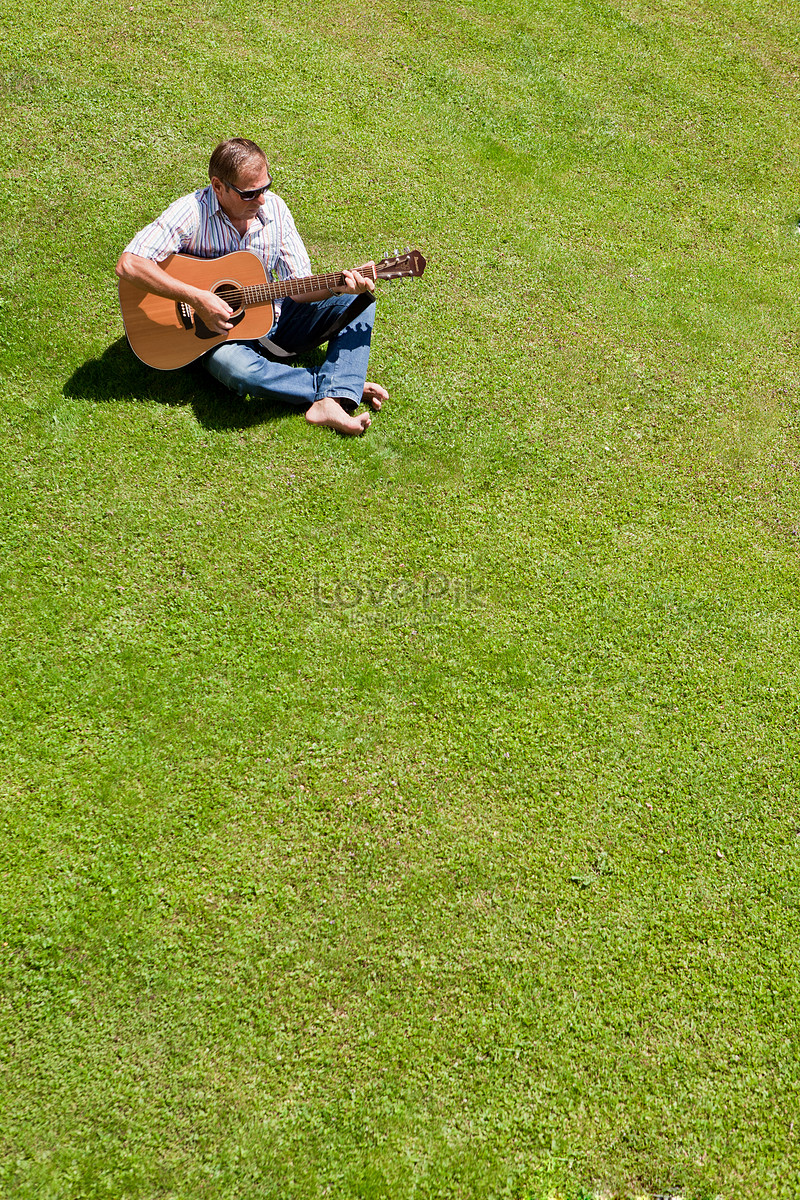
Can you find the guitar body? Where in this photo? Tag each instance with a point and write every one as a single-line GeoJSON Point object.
{"type": "Point", "coordinates": [165, 334]}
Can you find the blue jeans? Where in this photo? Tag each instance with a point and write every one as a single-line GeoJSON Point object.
{"type": "Point", "coordinates": [248, 369]}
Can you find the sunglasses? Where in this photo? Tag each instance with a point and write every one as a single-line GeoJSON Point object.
{"type": "Point", "coordinates": [249, 193]}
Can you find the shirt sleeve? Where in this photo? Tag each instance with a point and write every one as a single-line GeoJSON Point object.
{"type": "Point", "coordinates": [292, 261]}
{"type": "Point", "coordinates": [170, 233]}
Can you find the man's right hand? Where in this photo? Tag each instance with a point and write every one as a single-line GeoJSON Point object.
{"type": "Point", "coordinates": [213, 311]}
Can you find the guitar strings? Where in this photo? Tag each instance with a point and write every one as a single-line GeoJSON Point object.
{"type": "Point", "coordinates": [262, 293]}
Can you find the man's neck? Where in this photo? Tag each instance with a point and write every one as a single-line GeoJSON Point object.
{"type": "Point", "coordinates": [242, 225]}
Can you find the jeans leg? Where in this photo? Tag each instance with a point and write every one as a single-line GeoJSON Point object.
{"type": "Point", "coordinates": [344, 370]}
{"type": "Point", "coordinates": [245, 370]}
{"type": "Point", "coordinates": [302, 327]}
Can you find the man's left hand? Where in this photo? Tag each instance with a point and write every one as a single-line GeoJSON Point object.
{"type": "Point", "coordinates": [355, 284]}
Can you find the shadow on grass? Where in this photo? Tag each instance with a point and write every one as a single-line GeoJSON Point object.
{"type": "Point", "coordinates": [118, 375]}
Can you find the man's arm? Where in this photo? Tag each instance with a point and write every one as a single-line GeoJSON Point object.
{"type": "Point", "coordinates": [146, 274]}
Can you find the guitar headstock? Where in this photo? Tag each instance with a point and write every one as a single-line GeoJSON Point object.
{"type": "Point", "coordinates": [402, 266]}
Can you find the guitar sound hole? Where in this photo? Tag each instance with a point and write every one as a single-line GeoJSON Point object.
{"type": "Point", "coordinates": [231, 293]}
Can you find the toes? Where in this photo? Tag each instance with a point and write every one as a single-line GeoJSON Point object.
{"type": "Point", "coordinates": [329, 412]}
{"type": "Point", "coordinates": [375, 391]}
{"type": "Point", "coordinates": [374, 395]}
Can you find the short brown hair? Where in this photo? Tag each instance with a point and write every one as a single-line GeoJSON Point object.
{"type": "Point", "coordinates": [230, 157]}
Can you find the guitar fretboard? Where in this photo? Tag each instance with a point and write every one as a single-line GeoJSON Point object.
{"type": "Point", "coordinates": [264, 293]}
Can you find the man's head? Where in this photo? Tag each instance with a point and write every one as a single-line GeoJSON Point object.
{"type": "Point", "coordinates": [239, 175]}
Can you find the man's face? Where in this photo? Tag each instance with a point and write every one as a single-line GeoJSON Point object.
{"type": "Point", "coordinates": [253, 176]}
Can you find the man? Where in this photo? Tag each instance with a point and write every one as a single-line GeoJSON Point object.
{"type": "Point", "coordinates": [237, 211]}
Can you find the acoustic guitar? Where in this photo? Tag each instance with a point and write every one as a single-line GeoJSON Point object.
{"type": "Point", "coordinates": [167, 334]}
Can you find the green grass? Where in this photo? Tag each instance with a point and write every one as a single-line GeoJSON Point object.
{"type": "Point", "coordinates": [414, 816]}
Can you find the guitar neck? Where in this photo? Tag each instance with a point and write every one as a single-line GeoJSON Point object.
{"type": "Point", "coordinates": [267, 292]}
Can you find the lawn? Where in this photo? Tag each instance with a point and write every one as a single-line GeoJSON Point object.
{"type": "Point", "coordinates": [411, 816]}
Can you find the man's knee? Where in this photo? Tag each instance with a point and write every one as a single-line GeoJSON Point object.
{"type": "Point", "coordinates": [234, 364]}
{"type": "Point", "coordinates": [359, 316]}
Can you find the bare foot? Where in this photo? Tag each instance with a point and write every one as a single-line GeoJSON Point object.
{"type": "Point", "coordinates": [329, 412]}
{"type": "Point", "coordinates": [374, 395]}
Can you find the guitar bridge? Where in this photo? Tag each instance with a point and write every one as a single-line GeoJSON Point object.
{"type": "Point", "coordinates": [185, 314]}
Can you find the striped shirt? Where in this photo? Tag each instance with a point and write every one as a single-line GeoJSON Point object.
{"type": "Point", "coordinates": [197, 225]}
